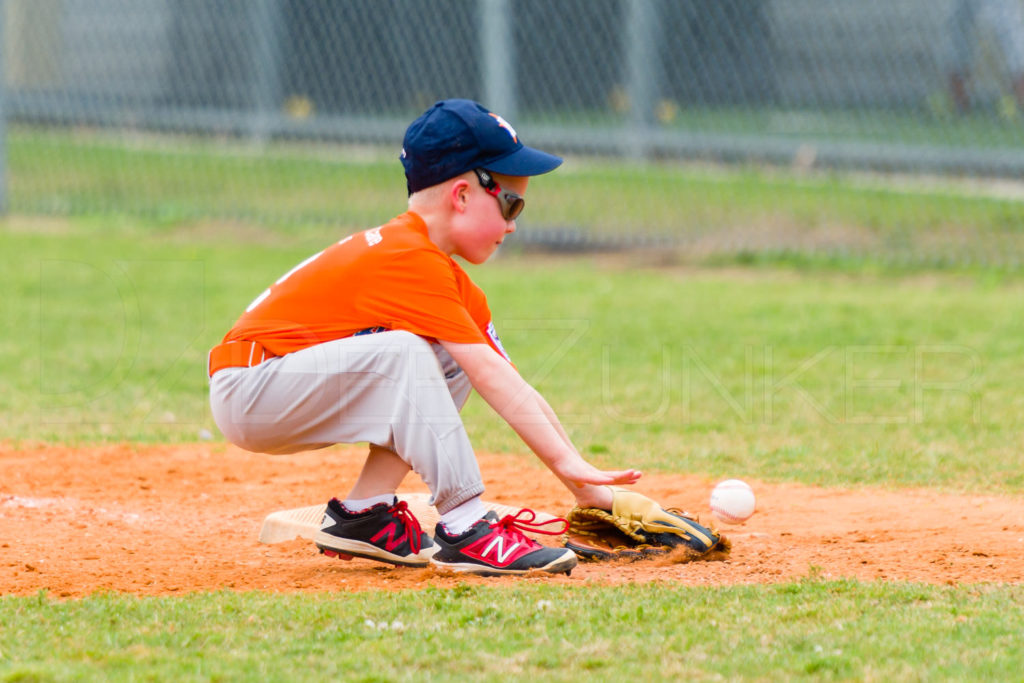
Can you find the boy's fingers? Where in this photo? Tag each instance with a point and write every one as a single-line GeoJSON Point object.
{"type": "Point", "coordinates": [614, 477]}
{"type": "Point", "coordinates": [625, 474]}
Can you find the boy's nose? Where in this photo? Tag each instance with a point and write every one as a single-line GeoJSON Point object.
{"type": "Point", "coordinates": [510, 227]}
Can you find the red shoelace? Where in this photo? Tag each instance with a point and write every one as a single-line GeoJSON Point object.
{"type": "Point", "coordinates": [401, 511]}
{"type": "Point", "coordinates": [525, 521]}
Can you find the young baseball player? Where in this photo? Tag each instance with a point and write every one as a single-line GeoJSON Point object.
{"type": "Point", "coordinates": [380, 337]}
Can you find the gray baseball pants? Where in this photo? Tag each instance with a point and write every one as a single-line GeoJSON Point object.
{"type": "Point", "coordinates": [393, 389]}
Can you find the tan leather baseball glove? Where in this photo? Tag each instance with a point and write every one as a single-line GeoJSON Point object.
{"type": "Point", "coordinates": [636, 527]}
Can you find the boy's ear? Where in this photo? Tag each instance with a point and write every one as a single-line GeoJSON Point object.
{"type": "Point", "coordinates": [459, 194]}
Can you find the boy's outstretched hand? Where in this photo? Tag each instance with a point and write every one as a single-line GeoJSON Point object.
{"type": "Point", "coordinates": [580, 473]}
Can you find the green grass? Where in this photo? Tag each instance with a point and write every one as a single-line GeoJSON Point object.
{"type": "Point", "coordinates": [300, 190]}
{"type": "Point", "coordinates": [167, 181]}
{"type": "Point", "coordinates": [830, 379]}
{"type": "Point", "coordinates": [933, 124]}
{"type": "Point", "coordinates": [814, 630]}
{"type": "Point", "coordinates": [857, 377]}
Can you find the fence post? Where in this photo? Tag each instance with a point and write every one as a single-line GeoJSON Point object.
{"type": "Point", "coordinates": [267, 20]}
{"type": "Point", "coordinates": [641, 75]}
{"type": "Point", "coordinates": [498, 58]}
{"type": "Point", "coordinates": [3, 110]}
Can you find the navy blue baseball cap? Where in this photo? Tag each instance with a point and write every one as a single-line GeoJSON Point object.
{"type": "Point", "coordinates": [455, 136]}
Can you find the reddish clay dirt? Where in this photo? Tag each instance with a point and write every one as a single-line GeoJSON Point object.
{"type": "Point", "coordinates": [173, 519]}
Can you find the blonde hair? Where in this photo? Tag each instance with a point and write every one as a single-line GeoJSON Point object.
{"type": "Point", "coordinates": [428, 196]}
{"type": "Point", "coordinates": [435, 194]}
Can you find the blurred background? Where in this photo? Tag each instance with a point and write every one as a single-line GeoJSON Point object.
{"type": "Point", "coordinates": [707, 126]}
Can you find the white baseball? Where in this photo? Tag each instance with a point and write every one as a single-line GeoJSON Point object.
{"type": "Point", "coordinates": [732, 501]}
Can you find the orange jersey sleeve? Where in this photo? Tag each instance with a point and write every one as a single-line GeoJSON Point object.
{"type": "Point", "coordinates": [392, 277]}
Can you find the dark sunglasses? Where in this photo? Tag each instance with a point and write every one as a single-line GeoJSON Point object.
{"type": "Point", "coordinates": [511, 203]}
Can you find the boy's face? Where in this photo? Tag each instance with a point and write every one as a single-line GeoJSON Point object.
{"type": "Point", "coordinates": [484, 227]}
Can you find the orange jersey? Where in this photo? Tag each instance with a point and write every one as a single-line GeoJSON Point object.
{"type": "Point", "coordinates": [390, 277]}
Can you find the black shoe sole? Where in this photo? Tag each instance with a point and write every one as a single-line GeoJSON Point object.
{"type": "Point", "coordinates": [348, 555]}
{"type": "Point", "coordinates": [346, 549]}
{"type": "Point", "coordinates": [563, 565]}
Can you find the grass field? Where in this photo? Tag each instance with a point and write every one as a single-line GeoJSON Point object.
{"type": "Point", "coordinates": [813, 630]}
{"type": "Point", "coordinates": [814, 375]}
{"type": "Point", "coordinates": [837, 371]}
{"type": "Point", "coordinates": [301, 192]}
{"type": "Point", "coordinates": [934, 124]}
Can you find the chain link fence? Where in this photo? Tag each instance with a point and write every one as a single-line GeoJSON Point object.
{"type": "Point", "coordinates": [292, 111]}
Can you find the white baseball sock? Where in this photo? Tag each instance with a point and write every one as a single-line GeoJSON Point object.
{"type": "Point", "coordinates": [458, 520]}
{"type": "Point", "coordinates": [361, 504]}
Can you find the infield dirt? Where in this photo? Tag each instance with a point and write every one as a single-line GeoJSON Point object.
{"type": "Point", "coordinates": [164, 520]}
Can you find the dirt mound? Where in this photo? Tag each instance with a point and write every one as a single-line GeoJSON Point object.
{"type": "Point", "coordinates": [171, 519]}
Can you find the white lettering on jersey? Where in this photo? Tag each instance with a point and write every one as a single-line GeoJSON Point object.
{"type": "Point", "coordinates": [501, 553]}
{"type": "Point", "coordinates": [493, 334]}
{"type": "Point", "coordinates": [373, 236]}
{"type": "Point", "coordinates": [301, 265]}
{"type": "Point", "coordinates": [266, 292]}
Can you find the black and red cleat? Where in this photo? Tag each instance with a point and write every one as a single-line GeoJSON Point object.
{"type": "Point", "coordinates": [388, 533]}
{"type": "Point", "coordinates": [495, 547]}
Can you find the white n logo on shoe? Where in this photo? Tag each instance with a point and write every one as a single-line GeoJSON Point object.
{"type": "Point", "coordinates": [501, 554]}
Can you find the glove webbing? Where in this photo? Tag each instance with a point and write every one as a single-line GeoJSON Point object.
{"type": "Point", "coordinates": [592, 521]}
